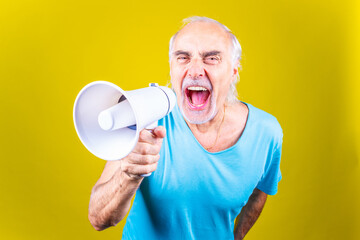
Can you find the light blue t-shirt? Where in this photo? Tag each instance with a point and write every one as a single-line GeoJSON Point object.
{"type": "Point", "coordinates": [196, 194]}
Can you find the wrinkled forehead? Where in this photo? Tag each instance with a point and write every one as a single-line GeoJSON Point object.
{"type": "Point", "coordinates": [203, 36]}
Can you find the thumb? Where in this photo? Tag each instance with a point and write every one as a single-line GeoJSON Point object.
{"type": "Point", "coordinates": [160, 132]}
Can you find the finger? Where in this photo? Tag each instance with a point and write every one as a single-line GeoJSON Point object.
{"type": "Point", "coordinates": [140, 159]}
{"type": "Point", "coordinates": [138, 169]}
{"type": "Point", "coordinates": [144, 148]}
{"type": "Point", "coordinates": [147, 136]}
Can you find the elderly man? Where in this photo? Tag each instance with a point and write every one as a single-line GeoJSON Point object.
{"type": "Point", "coordinates": [212, 159]}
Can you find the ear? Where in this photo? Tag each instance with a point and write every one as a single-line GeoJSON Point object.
{"type": "Point", "coordinates": [236, 69]}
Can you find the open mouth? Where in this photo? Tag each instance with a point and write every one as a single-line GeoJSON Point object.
{"type": "Point", "coordinates": [197, 97]}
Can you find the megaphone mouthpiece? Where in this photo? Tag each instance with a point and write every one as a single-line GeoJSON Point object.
{"type": "Point", "coordinates": [106, 120]}
{"type": "Point", "coordinates": [118, 116]}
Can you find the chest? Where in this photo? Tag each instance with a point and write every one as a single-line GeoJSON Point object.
{"type": "Point", "coordinates": [185, 178]}
{"type": "Point", "coordinates": [220, 140]}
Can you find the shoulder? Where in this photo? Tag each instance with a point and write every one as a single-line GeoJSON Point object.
{"type": "Point", "coordinates": [265, 122]}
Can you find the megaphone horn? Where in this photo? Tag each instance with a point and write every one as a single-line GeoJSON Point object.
{"type": "Point", "coordinates": [108, 119]}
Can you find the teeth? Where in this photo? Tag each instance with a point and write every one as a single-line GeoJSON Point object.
{"type": "Point", "coordinates": [197, 89]}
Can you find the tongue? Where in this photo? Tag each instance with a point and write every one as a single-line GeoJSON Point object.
{"type": "Point", "coordinates": [199, 97]}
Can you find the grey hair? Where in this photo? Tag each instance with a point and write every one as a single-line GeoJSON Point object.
{"type": "Point", "coordinates": [236, 51]}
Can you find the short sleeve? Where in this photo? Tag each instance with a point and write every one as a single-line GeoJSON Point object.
{"type": "Point", "coordinates": [272, 174]}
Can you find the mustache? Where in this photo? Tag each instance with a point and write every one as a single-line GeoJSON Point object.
{"type": "Point", "coordinates": [203, 82]}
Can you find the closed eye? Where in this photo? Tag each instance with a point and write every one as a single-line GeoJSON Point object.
{"type": "Point", "coordinates": [212, 60]}
{"type": "Point", "coordinates": [182, 58]}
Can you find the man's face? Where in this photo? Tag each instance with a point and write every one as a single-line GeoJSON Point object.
{"type": "Point", "coordinates": [201, 70]}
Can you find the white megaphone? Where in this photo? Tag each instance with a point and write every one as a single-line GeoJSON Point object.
{"type": "Point", "coordinates": [108, 119]}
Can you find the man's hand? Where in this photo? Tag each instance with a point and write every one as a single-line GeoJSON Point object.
{"type": "Point", "coordinates": [145, 156]}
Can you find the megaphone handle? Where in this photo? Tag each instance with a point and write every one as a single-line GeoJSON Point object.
{"type": "Point", "coordinates": [150, 128]}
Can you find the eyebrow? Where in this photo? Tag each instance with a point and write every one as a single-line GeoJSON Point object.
{"type": "Point", "coordinates": [203, 55]}
{"type": "Point", "coordinates": [180, 52]}
{"type": "Point", "coordinates": [210, 53]}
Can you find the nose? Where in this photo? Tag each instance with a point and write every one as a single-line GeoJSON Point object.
{"type": "Point", "coordinates": [196, 70]}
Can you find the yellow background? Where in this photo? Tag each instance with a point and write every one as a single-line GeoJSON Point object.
{"type": "Point", "coordinates": [300, 63]}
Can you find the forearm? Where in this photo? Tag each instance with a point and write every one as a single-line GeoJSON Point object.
{"type": "Point", "coordinates": [110, 201]}
{"type": "Point", "coordinates": [249, 214]}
